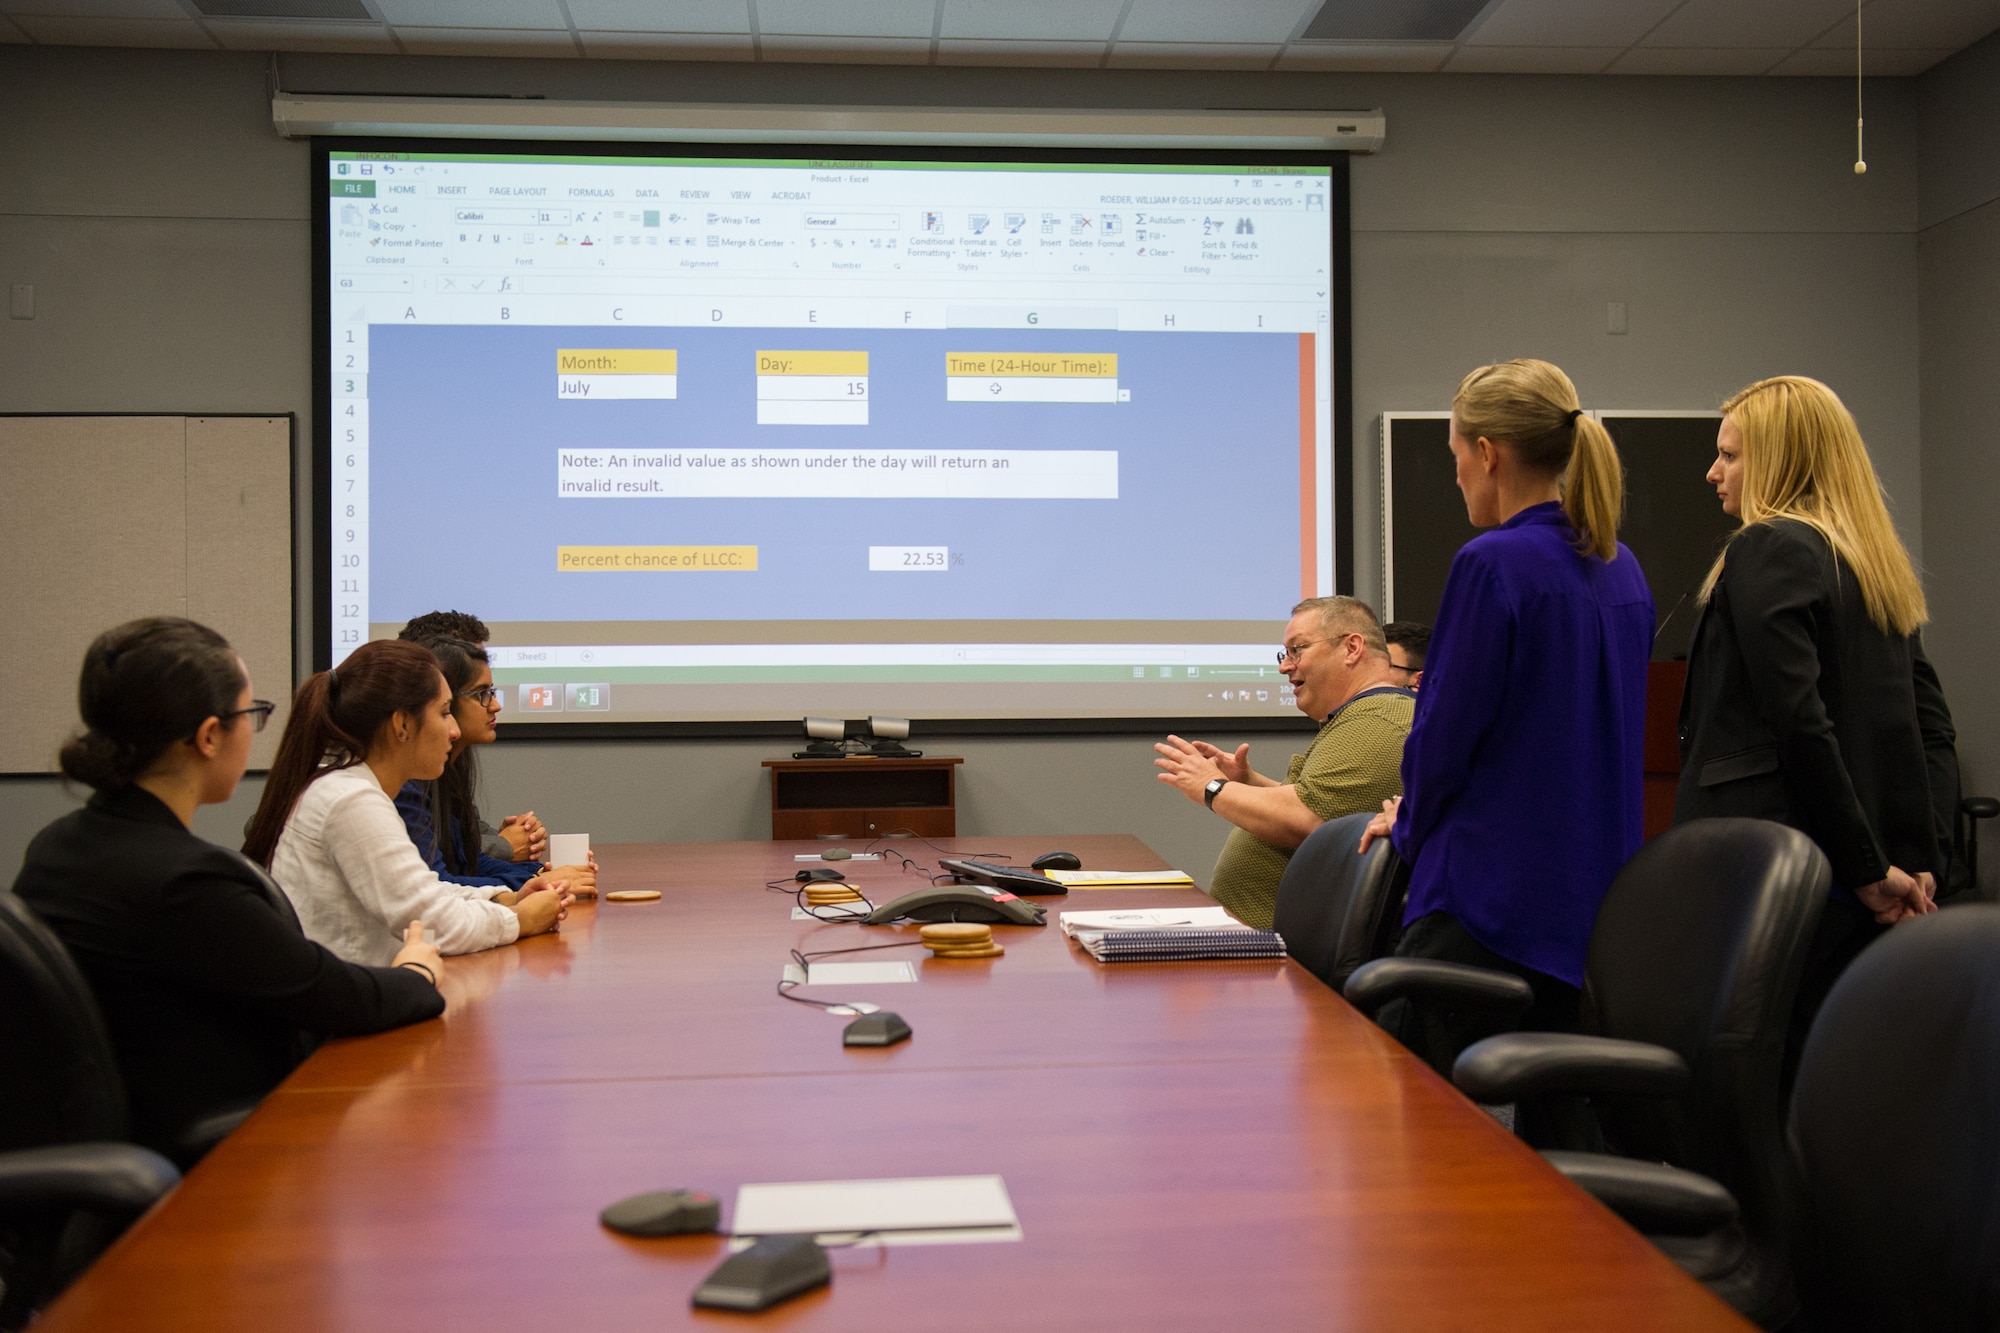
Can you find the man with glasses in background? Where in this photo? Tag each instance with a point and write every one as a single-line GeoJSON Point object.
{"type": "Point", "coordinates": [1408, 640]}
{"type": "Point", "coordinates": [1338, 663]}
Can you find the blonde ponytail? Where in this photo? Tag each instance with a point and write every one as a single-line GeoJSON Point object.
{"type": "Point", "coordinates": [1532, 406]}
{"type": "Point", "coordinates": [1594, 490]}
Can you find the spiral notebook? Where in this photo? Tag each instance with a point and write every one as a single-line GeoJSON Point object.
{"type": "Point", "coordinates": [1153, 946]}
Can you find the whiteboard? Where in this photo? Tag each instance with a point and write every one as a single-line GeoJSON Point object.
{"type": "Point", "coordinates": [107, 518]}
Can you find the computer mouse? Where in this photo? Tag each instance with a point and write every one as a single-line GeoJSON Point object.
{"type": "Point", "coordinates": [1057, 861]}
{"type": "Point", "coordinates": [664, 1213]}
{"type": "Point", "coordinates": [877, 1029]}
{"type": "Point", "coordinates": [819, 875]}
{"type": "Point", "coordinates": [775, 1269]}
{"type": "Point", "coordinates": [835, 854]}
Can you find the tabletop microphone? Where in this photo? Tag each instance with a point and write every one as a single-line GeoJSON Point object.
{"type": "Point", "coordinates": [1669, 618]}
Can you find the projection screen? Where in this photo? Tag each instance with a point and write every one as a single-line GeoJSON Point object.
{"type": "Point", "coordinates": [739, 438]}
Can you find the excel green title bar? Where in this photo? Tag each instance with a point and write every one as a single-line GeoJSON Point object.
{"type": "Point", "coordinates": [842, 164]}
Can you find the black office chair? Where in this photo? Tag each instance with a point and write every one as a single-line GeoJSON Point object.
{"type": "Point", "coordinates": [69, 1182]}
{"type": "Point", "coordinates": [1695, 962]}
{"type": "Point", "coordinates": [1337, 906]}
{"type": "Point", "coordinates": [1893, 1127]}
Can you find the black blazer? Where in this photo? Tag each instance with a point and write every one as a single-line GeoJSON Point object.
{"type": "Point", "coordinates": [1798, 709]}
{"type": "Point", "coordinates": [210, 991]}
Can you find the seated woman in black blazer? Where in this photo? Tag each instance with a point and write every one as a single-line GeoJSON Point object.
{"type": "Point", "coordinates": [1809, 700]}
{"type": "Point", "coordinates": [210, 991]}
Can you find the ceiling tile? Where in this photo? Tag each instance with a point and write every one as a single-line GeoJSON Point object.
{"type": "Point", "coordinates": [1031, 20]}
{"type": "Point", "coordinates": [1718, 23]}
{"type": "Point", "coordinates": [485, 42]}
{"type": "Point", "coordinates": [668, 45]}
{"type": "Point", "coordinates": [848, 50]}
{"type": "Point", "coordinates": [52, 31]}
{"type": "Point", "coordinates": [1738, 60]}
{"type": "Point", "coordinates": [1531, 59]}
{"type": "Point", "coordinates": [1398, 57]}
{"type": "Point", "coordinates": [472, 14]}
{"type": "Point", "coordinates": [98, 9]}
{"type": "Point", "coordinates": [1204, 21]}
{"type": "Point", "coordinates": [1070, 55]}
{"type": "Point", "coordinates": [850, 18]}
{"type": "Point", "coordinates": [1569, 22]}
{"type": "Point", "coordinates": [1916, 24]}
{"type": "Point", "coordinates": [662, 15]}
{"type": "Point", "coordinates": [1191, 55]}
{"type": "Point", "coordinates": [272, 35]}
{"type": "Point", "coordinates": [1832, 63]}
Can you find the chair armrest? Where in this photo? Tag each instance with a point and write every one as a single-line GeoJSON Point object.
{"type": "Point", "coordinates": [117, 1179]}
{"type": "Point", "coordinates": [1376, 983]}
{"type": "Point", "coordinates": [1979, 807]}
{"type": "Point", "coordinates": [1656, 1199]}
{"type": "Point", "coordinates": [196, 1140]}
{"type": "Point", "coordinates": [1518, 1065]}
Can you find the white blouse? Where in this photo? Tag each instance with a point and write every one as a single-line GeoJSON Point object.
{"type": "Point", "coordinates": [346, 861]}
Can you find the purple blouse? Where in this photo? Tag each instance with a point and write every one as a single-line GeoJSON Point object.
{"type": "Point", "coordinates": [1521, 776]}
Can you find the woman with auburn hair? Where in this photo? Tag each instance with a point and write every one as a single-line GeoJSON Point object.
{"type": "Point", "coordinates": [327, 825]}
{"type": "Point", "coordinates": [1809, 700]}
{"type": "Point", "coordinates": [1521, 775]}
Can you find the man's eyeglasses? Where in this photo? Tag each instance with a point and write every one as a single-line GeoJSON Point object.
{"type": "Point", "coordinates": [259, 712]}
{"type": "Point", "coordinates": [482, 696]}
{"type": "Point", "coordinates": [1292, 653]}
{"type": "Point", "coordinates": [1406, 670]}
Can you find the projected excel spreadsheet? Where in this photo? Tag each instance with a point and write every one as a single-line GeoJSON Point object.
{"type": "Point", "coordinates": [714, 438]}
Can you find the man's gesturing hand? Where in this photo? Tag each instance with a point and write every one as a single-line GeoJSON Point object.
{"type": "Point", "coordinates": [1235, 767]}
{"type": "Point", "coordinates": [1184, 766]}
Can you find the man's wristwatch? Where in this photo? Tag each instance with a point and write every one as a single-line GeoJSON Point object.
{"type": "Point", "coordinates": [1209, 793]}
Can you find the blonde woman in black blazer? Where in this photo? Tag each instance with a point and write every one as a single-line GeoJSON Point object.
{"type": "Point", "coordinates": [1809, 699]}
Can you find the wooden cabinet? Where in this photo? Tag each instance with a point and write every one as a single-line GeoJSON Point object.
{"type": "Point", "coordinates": [863, 798]}
{"type": "Point", "coordinates": [1665, 681]}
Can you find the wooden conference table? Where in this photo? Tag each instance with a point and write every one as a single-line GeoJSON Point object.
{"type": "Point", "coordinates": [1188, 1146]}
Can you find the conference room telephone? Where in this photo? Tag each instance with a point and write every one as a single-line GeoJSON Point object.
{"type": "Point", "coordinates": [959, 902]}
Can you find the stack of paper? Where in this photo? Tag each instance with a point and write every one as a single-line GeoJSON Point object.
{"type": "Point", "coordinates": [1165, 933]}
{"type": "Point", "coordinates": [1121, 879]}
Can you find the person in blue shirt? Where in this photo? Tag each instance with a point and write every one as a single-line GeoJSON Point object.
{"type": "Point", "coordinates": [442, 817]}
{"type": "Point", "coordinates": [1521, 776]}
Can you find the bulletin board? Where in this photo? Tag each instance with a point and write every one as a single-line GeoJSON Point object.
{"type": "Point", "coordinates": [107, 518]}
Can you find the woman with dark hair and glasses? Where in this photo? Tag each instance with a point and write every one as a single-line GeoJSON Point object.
{"type": "Point", "coordinates": [210, 991]}
{"type": "Point", "coordinates": [327, 824]}
{"type": "Point", "coordinates": [441, 814]}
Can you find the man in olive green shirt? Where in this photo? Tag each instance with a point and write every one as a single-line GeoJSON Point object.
{"type": "Point", "coordinates": [1338, 663]}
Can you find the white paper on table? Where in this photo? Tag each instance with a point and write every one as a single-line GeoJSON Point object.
{"type": "Point", "coordinates": [849, 974]}
{"type": "Point", "coordinates": [925, 1210]}
{"type": "Point", "coordinates": [1135, 878]}
{"type": "Point", "coordinates": [1151, 918]}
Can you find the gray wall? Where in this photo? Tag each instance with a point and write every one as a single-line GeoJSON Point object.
{"type": "Point", "coordinates": [1958, 256]}
{"type": "Point", "coordinates": [164, 225]}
